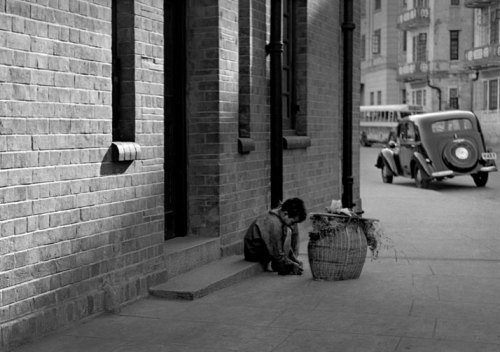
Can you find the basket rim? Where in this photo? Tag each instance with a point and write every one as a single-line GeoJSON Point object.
{"type": "Point", "coordinates": [342, 216]}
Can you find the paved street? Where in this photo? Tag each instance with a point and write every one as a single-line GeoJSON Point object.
{"type": "Point", "coordinates": [436, 289]}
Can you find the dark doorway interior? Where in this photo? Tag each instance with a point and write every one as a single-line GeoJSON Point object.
{"type": "Point", "coordinates": [175, 120]}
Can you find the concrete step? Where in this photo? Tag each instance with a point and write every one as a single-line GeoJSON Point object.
{"type": "Point", "coordinates": [208, 278]}
{"type": "Point", "coordinates": [182, 254]}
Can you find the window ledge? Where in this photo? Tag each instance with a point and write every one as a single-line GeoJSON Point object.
{"type": "Point", "coordinates": [125, 151]}
{"type": "Point", "coordinates": [296, 142]}
{"type": "Point", "coordinates": [246, 145]}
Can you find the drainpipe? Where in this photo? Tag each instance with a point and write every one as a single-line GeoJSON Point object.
{"type": "Point", "coordinates": [438, 91]}
{"type": "Point", "coordinates": [275, 49]}
{"type": "Point", "coordinates": [347, 178]}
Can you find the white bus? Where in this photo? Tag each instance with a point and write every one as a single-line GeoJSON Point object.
{"type": "Point", "coordinates": [377, 122]}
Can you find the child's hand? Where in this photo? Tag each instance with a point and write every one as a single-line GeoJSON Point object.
{"type": "Point", "coordinates": [297, 269]}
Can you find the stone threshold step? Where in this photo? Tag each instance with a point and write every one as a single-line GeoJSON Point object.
{"type": "Point", "coordinates": [206, 279]}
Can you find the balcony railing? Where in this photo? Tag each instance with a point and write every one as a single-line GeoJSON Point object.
{"type": "Point", "coordinates": [484, 56]}
{"type": "Point", "coordinates": [414, 18]}
{"type": "Point", "coordinates": [422, 70]}
{"type": "Point", "coordinates": [477, 3]}
{"type": "Point", "coordinates": [413, 71]}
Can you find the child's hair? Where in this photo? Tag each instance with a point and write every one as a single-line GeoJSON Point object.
{"type": "Point", "coordinates": [295, 208]}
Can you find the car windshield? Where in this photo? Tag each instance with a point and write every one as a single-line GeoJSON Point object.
{"type": "Point", "coordinates": [451, 125]}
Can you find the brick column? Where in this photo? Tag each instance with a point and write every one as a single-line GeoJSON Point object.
{"type": "Point", "coordinates": [212, 107]}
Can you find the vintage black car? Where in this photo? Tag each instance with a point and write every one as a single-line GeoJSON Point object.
{"type": "Point", "coordinates": [435, 146]}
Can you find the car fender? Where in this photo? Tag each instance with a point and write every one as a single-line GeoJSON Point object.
{"type": "Point", "coordinates": [388, 156]}
{"type": "Point", "coordinates": [421, 161]}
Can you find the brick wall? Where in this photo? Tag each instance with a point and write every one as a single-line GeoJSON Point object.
{"type": "Point", "coordinates": [313, 173]}
{"type": "Point", "coordinates": [80, 233]}
{"type": "Point", "coordinates": [73, 225]}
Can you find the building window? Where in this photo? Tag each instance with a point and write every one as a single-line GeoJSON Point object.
{"type": "Point", "coordinates": [420, 47]}
{"type": "Point", "coordinates": [454, 49]}
{"type": "Point", "coordinates": [379, 97]}
{"type": "Point", "coordinates": [495, 26]}
{"type": "Point", "coordinates": [481, 27]}
{"type": "Point", "coordinates": [363, 47]}
{"type": "Point", "coordinates": [245, 86]}
{"type": "Point", "coordinates": [404, 41]}
{"type": "Point", "coordinates": [455, 2]}
{"type": "Point", "coordinates": [376, 42]}
{"type": "Point", "coordinates": [493, 94]}
{"type": "Point", "coordinates": [485, 95]}
{"type": "Point", "coordinates": [420, 4]}
{"type": "Point", "coordinates": [372, 98]}
{"type": "Point", "coordinates": [123, 71]}
{"type": "Point", "coordinates": [419, 97]}
{"type": "Point", "coordinates": [403, 96]}
{"type": "Point", "coordinates": [289, 99]}
{"type": "Point", "coordinates": [378, 4]}
{"type": "Point", "coordinates": [453, 101]}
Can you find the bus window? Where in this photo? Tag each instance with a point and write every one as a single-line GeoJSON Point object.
{"type": "Point", "coordinates": [378, 121]}
{"type": "Point", "coordinates": [391, 116]}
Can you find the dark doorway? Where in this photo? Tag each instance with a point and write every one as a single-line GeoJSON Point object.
{"type": "Point", "coordinates": [175, 120]}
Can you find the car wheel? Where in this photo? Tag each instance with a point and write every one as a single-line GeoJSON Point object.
{"type": "Point", "coordinates": [421, 179]}
{"type": "Point", "coordinates": [480, 179]}
{"type": "Point", "coordinates": [387, 175]}
{"type": "Point", "coordinates": [460, 155]}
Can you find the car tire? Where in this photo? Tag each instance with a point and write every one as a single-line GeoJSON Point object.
{"type": "Point", "coordinates": [421, 179]}
{"type": "Point", "coordinates": [480, 179]}
{"type": "Point", "coordinates": [460, 155]}
{"type": "Point", "coordinates": [387, 175]}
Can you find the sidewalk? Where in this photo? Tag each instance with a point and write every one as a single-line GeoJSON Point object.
{"type": "Point", "coordinates": [394, 306]}
{"type": "Point", "coordinates": [440, 296]}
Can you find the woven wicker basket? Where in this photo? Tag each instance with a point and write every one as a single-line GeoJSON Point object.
{"type": "Point", "coordinates": [337, 247]}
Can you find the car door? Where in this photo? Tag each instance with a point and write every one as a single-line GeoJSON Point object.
{"type": "Point", "coordinates": [407, 145]}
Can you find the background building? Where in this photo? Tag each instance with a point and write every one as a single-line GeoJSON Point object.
{"type": "Point", "coordinates": [379, 53]}
{"type": "Point", "coordinates": [434, 37]}
{"type": "Point", "coordinates": [446, 54]}
{"type": "Point", "coordinates": [135, 141]}
{"type": "Point", "coordinates": [483, 60]}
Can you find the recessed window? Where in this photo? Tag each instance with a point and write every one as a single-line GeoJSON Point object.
{"type": "Point", "coordinates": [455, 2]}
{"type": "Point", "coordinates": [420, 47]}
{"type": "Point", "coordinates": [376, 42]}
{"type": "Point", "coordinates": [454, 45]}
{"type": "Point", "coordinates": [289, 99]}
{"type": "Point", "coordinates": [123, 71]}
{"type": "Point", "coordinates": [294, 75]}
{"type": "Point", "coordinates": [421, 4]}
{"type": "Point", "coordinates": [485, 95]}
{"type": "Point", "coordinates": [453, 103]}
{"type": "Point", "coordinates": [495, 26]}
{"type": "Point", "coordinates": [363, 47]}
{"type": "Point", "coordinates": [378, 4]}
{"type": "Point", "coordinates": [493, 94]}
